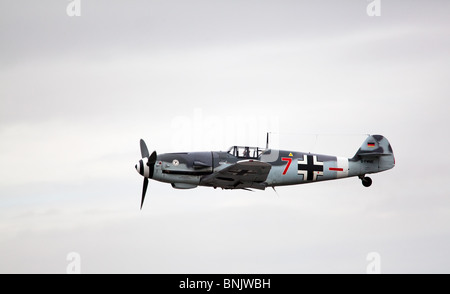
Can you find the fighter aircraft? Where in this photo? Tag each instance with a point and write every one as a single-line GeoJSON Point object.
{"type": "Point", "coordinates": [244, 167]}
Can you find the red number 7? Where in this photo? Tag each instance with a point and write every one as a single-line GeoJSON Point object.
{"type": "Point", "coordinates": [289, 160]}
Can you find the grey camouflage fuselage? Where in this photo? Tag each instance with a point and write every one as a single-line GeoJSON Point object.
{"type": "Point", "coordinates": [256, 168]}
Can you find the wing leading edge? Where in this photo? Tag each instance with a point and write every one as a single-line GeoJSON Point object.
{"type": "Point", "coordinates": [243, 174]}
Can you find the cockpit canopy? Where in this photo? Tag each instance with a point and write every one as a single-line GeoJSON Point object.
{"type": "Point", "coordinates": [245, 152]}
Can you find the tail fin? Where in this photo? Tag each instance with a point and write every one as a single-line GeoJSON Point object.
{"type": "Point", "coordinates": [377, 147]}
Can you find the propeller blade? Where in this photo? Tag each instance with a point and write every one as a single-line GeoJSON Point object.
{"type": "Point", "coordinates": [144, 190]}
{"type": "Point", "coordinates": [152, 158]}
{"type": "Point", "coordinates": [151, 163]}
{"type": "Point", "coordinates": [144, 150]}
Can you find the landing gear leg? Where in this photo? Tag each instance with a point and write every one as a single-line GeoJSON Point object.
{"type": "Point", "coordinates": [366, 181]}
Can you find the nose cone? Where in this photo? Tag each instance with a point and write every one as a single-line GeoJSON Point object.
{"type": "Point", "coordinates": [143, 168]}
{"type": "Point", "coordinates": [140, 167]}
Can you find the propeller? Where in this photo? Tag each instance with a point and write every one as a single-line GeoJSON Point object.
{"type": "Point", "coordinates": [150, 159]}
{"type": "Point", "coordinates": [144, 150]}
{"type": "Point", "coordinates": [144, 190]}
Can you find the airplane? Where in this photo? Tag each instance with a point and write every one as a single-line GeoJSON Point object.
{"type": "Point", "coordinates": [244, 167]}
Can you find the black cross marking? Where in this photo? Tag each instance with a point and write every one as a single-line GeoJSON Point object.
{"type": "Point", "coordinates": [310, 167]}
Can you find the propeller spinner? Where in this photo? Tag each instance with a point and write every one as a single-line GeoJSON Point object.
{"type": "Point", "coordinates": [145, 167]}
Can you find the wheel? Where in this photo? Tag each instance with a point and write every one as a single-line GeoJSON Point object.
{"type": "Point", "coordinates": [366, 181]}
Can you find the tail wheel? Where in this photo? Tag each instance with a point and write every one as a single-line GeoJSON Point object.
{"type": "Point", "coordinates": [366, 181]}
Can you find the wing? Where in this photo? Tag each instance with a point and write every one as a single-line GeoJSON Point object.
{"type": "Point", "coordinates": [243, 174]}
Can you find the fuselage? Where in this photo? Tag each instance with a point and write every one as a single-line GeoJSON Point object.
{"type": "Point", "coordinates": [186, 170]}
{"type": "Point", "coordinates": [244, 167]}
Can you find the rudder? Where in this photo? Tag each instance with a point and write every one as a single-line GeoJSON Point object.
{"type": "Point", "coordinates": [378, 148]}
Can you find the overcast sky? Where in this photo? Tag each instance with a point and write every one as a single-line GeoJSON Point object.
{"type": "Point", "coordinates": [77, 93]}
